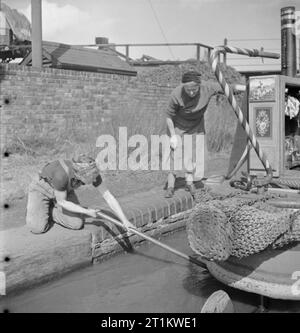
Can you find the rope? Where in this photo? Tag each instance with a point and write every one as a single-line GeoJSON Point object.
{"type": "Point", "coordinates": [290, 183]}
{"type": "Point", "coordinates": [232, 100]}
{"type": "Point", "coordinates": [240, 227]}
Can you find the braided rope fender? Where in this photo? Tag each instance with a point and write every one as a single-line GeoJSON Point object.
{"type": "Point", "coordinates": [294, 184]}
{"type": "Point", "coordinates": [232, 100]}
{"type": "Point", "coordinates": [292, 235]}
{"type": "Point", "coordinates": [237, 227]}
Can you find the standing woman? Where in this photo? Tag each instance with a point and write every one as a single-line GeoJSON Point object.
{"type": "Point", "coordinates": [185, 120]}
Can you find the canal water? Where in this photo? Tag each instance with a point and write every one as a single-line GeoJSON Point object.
{"type": "Point", "coordinates": [148, 280]}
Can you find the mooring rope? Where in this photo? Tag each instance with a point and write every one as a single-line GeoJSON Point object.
{"type": "Point", "coordinates": [232, 100]}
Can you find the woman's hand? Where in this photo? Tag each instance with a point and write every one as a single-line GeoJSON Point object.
{"type": "Point", "coordinates": [92, 212]}
{"type": "Point", "coordinates": [174, 142]}
{"type": "Point", "coordinates": [128, 224]}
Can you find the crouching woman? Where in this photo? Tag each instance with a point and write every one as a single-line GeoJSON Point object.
{"type": "Point", "coordinates": [52, 198]}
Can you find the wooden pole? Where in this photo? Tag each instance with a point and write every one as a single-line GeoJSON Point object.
{"type": "Point", "coordinates": [208, 54]}
{"type": "Point", "coordinates": [225, 54]}
{"type": "Point", "coordinates": [36, 37]}
{"type": "Point", "coordinates": [154, 241]}
{"type": "Point", "coordinates": [198, 52]}
{"type": "Point", "coordinates": [127, 53]}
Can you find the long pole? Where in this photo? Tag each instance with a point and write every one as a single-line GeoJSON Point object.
{"type": "Point", "coordinates": [36, 38]}
{"type": "Point", "coordinates": [154, 241]}
{"type": "Point", "coordinates": [225, 54]}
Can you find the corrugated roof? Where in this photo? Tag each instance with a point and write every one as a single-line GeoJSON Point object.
{"type": "Point", "coordinates": [78, 58]}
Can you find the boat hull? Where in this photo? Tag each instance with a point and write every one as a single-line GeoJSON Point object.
{"type": "Point", "coordinates": [271, 273]}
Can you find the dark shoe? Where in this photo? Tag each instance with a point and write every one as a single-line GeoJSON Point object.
{"type": "Point", "coordinates": [190, 188]}
{"type": "Point", "coordinates": [169, 192]}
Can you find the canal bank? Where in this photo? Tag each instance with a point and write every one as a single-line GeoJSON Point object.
{"type": "Point", "coordinates": [37, 263]}
{"type": "Point", "coordinates": [28, 259]}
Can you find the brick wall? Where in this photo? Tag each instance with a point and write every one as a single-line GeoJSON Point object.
{"type": "Point", "coordinates": [53, 102]}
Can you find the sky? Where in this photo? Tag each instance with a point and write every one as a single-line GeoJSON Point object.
{"type": "Point", "coordinates": [164, 21]}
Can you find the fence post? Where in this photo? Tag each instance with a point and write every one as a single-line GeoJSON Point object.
{"type": "Point", "coordinates": [127, 53]}
{"type": "Point", "coordinates": [225, 54]}
{"type": "Point", "coordinates": [208, 54]}
{"type": "Point", "coordinates": [198, 52]}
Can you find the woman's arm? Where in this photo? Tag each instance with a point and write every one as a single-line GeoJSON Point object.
{"type": "Point", "coordinates": [114, 205]}
{"type": "Point", "coordinates": [170, 125]}
{"type": "Point", "coordinates": [173, 136]}
{"type": "Point", "coordinates": [61, 199]}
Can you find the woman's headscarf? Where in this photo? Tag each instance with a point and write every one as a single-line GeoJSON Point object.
{"type": "Point", "coordinates": [85, 168]}
{"type": "Point", "coordinates": [191, 76]}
